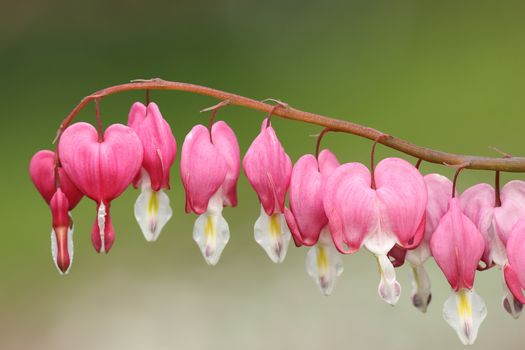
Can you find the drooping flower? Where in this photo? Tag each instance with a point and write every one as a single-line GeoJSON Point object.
{"type": "Point", "coordinates": [515, 267]}
{"type": "Point", "coordinates": [152, 208]}
{"type": "Point", "coordinates": [268, 169]}
{"type": "Point", "coordinates": [308, 222]}
{"type": "Point", "coordinates": [457, 246]}
{"type": "Point", "coordinates": [62, 200]}
{"type": "Point", "coordinates": [101, 168]}
{"type": "Point", "coordinates": [495, 220]}
{"type": "Point", "coordinates": [377, 210]}
{"type": "Point", "coordinates": [210, 165]}
{"type": "Point", "coordinates": [439, 188]}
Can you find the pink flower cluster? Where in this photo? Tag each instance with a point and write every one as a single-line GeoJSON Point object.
{"type": "Point", "coordinates": [390, 209]}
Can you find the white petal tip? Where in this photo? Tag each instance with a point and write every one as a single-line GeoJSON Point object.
{"type": "Point", "coordinates": [421, 290]}
{"type": "Point", "coordinates": [421, 301]}
{"type": "Point", "coordinates": [464, 311]}
{"type": "Point", "coordinates": [389, 289]}
{"type": "Point", "coordinates": [324, 263]}
{"type": "Point", "coordinates": [389, 292]}
{"type": "Point", "coordinates": [512, 305]}
{"type": "Point", "coordinates": [273, 235]}
{"type": "Point", "coordinates": [211, 233]}
{"type": "Point", "coordinates": [152, 211]}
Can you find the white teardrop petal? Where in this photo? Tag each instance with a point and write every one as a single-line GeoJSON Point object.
{"type": "Point", "coordinates": [389, 289]}
{"type": "Point", "coordinates": [421, 290]}
{"type": "Point", "coordinates": [211, 233]}
{"type": "Point", "coordinates": [324, 263]}
{"type": "Point", "coordinates": [272, 233]}
{"type": "Point", "coordinates": [464, 311]}
{"type": "Point", "coordinates": [512, 305]}
{"type": "Point", "coordinates": [101, 220]}
{"type": "Point", "coordinates": [152, 211]}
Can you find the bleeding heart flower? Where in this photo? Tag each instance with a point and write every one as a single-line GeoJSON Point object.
{"type": "Point", "coordinates": [378, 211]}
{"type": "Point", "coordinates": [101, 169]}
{"type": "Point", "coordinates": [457, 246]}
{"type": "Point", "coordinates": [495, 220]}
{"type": "Point", "coordinates": [210, 165]}
{"type": "Point", "coordinates": [308, 222]}
{"type": "Point", "coordinates": [439, 189]}
{"type": "Point", "coordinates": [268, 169]}
{"type": "Point", "coordinates": [152, 208]}
{"type": "Point", "coordinates": [61, 200]}
{"type": "Point", "coordinates": [515, 267]}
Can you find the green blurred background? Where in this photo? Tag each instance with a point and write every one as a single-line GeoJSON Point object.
{"type": "Point", "coordinates": [445, 74]}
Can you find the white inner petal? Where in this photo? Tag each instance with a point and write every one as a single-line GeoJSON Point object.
{"type": "Point", "coordinates": [211, 231]}
{"type": "Point", "coordinates": [421, 291]}
{"type": "Point", "coordinates": [324, 263]}
{"type": "Point", "coordinates": [419, 255]}
{"type": "Point", "coordinates": [389, 289]}
{"type": "Point", "coordinates": [464, 311]}
{"type": "Point", "coordinates": [101, 219]}
{"type": "Point", "coordinates": [512, 305]}
{"type": "Point", "coordinates": [498, 253]}
{"type": "Point", "coordinates": [152, 210]}
{"type": "Point", "coordinates": [272, 233]}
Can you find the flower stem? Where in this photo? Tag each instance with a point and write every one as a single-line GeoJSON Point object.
{"type": "Point", "coordinates": [512, 164]}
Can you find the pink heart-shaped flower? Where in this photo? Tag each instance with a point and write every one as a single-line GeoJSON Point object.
{"type": "Point", "coordinates": [158, 143]}
{"type": "Point", "coordinates": [395, 207]}
{"type": "Point", "coordinates": [306, 217]}
{"type": "Point", "coordinates": [101, 169]}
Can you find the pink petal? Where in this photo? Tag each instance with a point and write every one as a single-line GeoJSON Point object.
{"type": "Point", "coordinates": [306, 201]}
{"type": "Point", "coordinates": [515, 269]}
{"type": "Point", "coordinates": [457, 246]}
{"type": "Point", "coordinates": [402, 194]}
{"type": "Point", "coordinates": [268, 169]}
{"type": "Point", "coordinates": [511, 210]}
{"type": "Point", "coordinates": [42, 172]}
{"type": "Point", "coordinates": [328, 163]}
{"type": "Point", "coordinates": [351, 206]}
{"type": "Point", "coordinates": [478, 203]}
{"type": "Point", "coordinates": [102, 170]}
{"type": "Point", "coordinates": [294, 229]}
{"type": "Point", "coordinates": [225, 141]}
{"type": "Point", "coordinates": [158, 142]}
{"type": "Point", "coordinates": [439, 192]}
{"type": "Point", "coordinates": [136, 115]}
{"type": "Point", "coordinates": [202, 168]}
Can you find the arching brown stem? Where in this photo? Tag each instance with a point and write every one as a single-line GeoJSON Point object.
{"type": "Point", "coordinates": [512, 164]}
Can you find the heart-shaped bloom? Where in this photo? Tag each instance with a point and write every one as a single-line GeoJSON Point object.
{"type": "Point", "coordinates": [515, 267]}
{"type": "Point", "coordinates": [495, 223]}
{"type": "Point", "coordinates": [307, 220]}
{"type": "Point", "coordinates": [268, 169]}
{"type": "Point", "coordinates": [210, 165]}
{"type": "Point", "coordinates": [152, 208]}
{"type": "Point", "coordinates": [457, 246]}
{"type": "Point", "coordinates": [101, 169]}
{"type": "Point", "coordinates": [61, 200]}
{"type": "Point", "coordinates": [378, 217]}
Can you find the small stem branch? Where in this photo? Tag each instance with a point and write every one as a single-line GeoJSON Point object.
{"type": "Point", "coordinates": [497, 200]}
{"type": "Point", "coordinates": [318, 144]}
{"type": "Point", "coordinates": [513, 164]}
{"type": "Point", "coordinates": [99, 121]}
